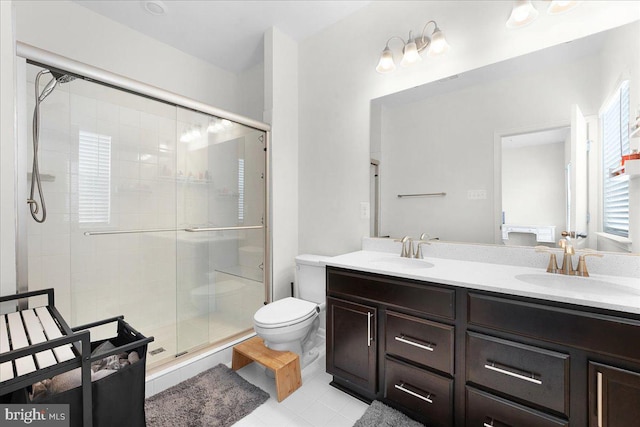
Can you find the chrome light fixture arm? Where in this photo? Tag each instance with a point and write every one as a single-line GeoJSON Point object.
{"type": "Point", "coordinates": [424, 41]}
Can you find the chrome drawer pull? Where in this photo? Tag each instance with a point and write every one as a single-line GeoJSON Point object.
{"type": "Point", "coordinates": [369, 338]}
{"type": "Point", "coordinates": [599, 397]}
{"type": "Point", "coordinates": [493, 367]}
{"type": "Point", "coordinates": [401, 338]}
{"type": "Point", "coordinates": [413, 393]}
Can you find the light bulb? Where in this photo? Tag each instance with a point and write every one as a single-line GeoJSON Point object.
{"type": "Point", "coordinates": [561, 6]}
{"type": "Point", "coordinates": [438, 44]}
{"type": "Point", "coordinates": [411, 55]}
{"type": "Point", "coordinates": [386, 64]}
{"type": "Point", "coordinates": [523, 13]}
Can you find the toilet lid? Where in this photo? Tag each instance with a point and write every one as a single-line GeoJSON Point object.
{"type": "Point", "coordinates": [284, 312]}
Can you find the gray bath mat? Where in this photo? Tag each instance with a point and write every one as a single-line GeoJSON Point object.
{"type": "Point", "coordinates": [217, 397]}
{"type": "Point", "coordinates": [380, 415]}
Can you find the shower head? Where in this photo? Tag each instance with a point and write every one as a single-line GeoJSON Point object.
{"type": "Point", "coordinates": [62, 78]}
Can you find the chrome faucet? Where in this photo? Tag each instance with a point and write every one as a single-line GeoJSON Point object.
{"type": "Point", "coordinates": [407, 246]}
{"type": "Point", "coordinates": [424, 240]}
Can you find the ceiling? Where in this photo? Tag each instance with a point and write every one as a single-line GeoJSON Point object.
{"type": "Point", "coordinates": [227, 34]}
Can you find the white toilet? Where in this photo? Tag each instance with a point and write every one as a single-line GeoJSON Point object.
{"type": "Point", "coordinates": [291, 324]}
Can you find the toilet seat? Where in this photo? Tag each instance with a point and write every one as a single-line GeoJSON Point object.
{"type": "Point", "coordinates": [285, 312]}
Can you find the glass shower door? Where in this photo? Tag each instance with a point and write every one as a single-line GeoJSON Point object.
{"type": "Point", "coordinates": [221, 204]}
{"type": "Point", "coordinates": [155, 212]}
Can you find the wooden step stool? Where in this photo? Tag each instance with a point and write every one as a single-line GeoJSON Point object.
{"type": "Point", "coordinates": [284, 364]}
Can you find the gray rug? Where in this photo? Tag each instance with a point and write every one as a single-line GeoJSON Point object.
{"type": "Point", "coordinates": [217, 397]}
{"type": "Point", "coordinates": [380, 415]}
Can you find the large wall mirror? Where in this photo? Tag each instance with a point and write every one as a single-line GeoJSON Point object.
{"type": "Point", "coordinates": [499, 154]}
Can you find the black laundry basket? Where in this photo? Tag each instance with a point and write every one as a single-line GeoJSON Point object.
{"type": "Point", "coordinates": [118, 399]}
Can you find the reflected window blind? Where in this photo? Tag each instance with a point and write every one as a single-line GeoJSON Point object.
{"type": "Point", "coordinates": [240, 191]}
{"type": "Point", "coordinates": [94, 178]}
{"type": "Point", "coordinates": [615, 143]}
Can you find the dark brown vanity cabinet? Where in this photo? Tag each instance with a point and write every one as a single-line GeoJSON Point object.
{"type": "Point", "coordinates": [351, 335]}
{"type": "Point", "coordinates": [614, 396]}
{"type": "Point", "coordinates": [570, 364]}
{"type": "Point", "coordinates": [451, 356]}
{"type": "Point", "coordinates": [387, 340]}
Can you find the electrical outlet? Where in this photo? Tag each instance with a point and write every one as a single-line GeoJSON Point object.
{"type": "Point", "coordinates": [476, 194]}
{"type": "Point", "coordinates": [365, 212]}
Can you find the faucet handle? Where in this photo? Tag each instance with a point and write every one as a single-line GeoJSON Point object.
{"type": "Point", "coordinates": [406, 252]}
{"type": "Point", "coordinates": [582, 264]}
{"type": "Point", "coordinates": [553, 262]}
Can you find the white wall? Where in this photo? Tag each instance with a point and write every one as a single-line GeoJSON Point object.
{"type": "Point", "coordinates": [338, 80]}
{"type": "Point", "coordinates": [63, 27]}
{"type": "Point", "coordinates": [281, 110]}
{"type": "Point", "coordinates": [7, 152]}
{"type": "Point", "coordinates": [250, 92]}
{"type": "Point", "coordinates": [532, 185]}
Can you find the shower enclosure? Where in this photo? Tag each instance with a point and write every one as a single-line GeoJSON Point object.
{"type": "Point", "coordinates": [155, 210]}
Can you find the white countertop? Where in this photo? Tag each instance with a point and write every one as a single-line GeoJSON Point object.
{"type": "Point", "coordinates": [601, 291]}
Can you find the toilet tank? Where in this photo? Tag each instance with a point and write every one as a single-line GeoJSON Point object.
{"type": "Point", "coordinates": [310, 283]}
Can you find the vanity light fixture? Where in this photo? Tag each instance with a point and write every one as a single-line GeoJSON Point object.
{"type": "Point", "coordinates": [412, 48]}
{"type": "Point", "coordinates": [524, 12]}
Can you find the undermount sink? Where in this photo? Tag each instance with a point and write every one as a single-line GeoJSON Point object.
{"type": "Point", "coordinates": [395, 262]}
{"type": "Point", "coordinates": [575, 283]}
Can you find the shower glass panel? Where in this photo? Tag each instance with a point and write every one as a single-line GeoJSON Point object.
{"type": "Point", "coordinates": [220, 191]}
{"type": "Point", "coordinates": [133, 187]}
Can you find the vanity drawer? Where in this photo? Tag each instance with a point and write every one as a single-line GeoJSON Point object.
{"type": "Point", "coordinates": [581, 329]}
{"type": "Point", "coordinates": [399, 293]}
{"type": "Point", "coordinates": [419, 340]}
{"type": "Point", "coordinates": [426, 394]}
{"type": "Point", "coordinates": [529, 373]}
{"type": "Point", "coordinates": [484, 409]}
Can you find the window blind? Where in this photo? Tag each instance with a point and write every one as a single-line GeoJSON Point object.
{"type": "Point", "coordinates": [240, 191]}
{"type": "Point", "coordinates": [94, 178]}
{"type": "Point", "coordinates": [615, 143]}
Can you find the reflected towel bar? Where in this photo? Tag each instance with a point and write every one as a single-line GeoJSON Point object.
{"type": "Point", "coordinates": [161, 230]}
{"type": "Point", "coordinates": [422, 195]}
{"type": "Point", "coordinates": [241, 227]}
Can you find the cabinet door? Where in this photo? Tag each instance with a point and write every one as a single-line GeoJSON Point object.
{"type": "Point", "coordinates": [614, 396]}
{"type": "Point", "coordinates": [351, 342]}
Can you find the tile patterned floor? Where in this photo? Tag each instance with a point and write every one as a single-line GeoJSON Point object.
{"type": "Point", "coordinates": [315, 404]}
